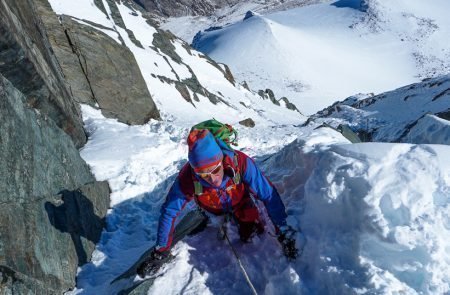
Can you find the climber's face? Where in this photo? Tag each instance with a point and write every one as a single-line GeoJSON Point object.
{"type": "Point", "coordinates": [213, 175]}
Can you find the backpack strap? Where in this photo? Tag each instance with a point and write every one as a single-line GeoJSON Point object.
{"type": "Point", "coordinates": [237, 172]}
{"type": "Point", "coordinates": [198, 188]}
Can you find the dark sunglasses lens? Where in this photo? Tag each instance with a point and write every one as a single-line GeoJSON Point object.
{"type": "Point", "coordinates": [215, 171]}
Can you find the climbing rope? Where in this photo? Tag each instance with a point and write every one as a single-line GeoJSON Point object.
{"type": "Point", "coordinates": [224, 231]}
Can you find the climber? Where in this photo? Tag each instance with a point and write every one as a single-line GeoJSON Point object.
{"type": "Point", "coordinates": [222, 181]}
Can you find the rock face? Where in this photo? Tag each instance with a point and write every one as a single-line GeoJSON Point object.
{"type": "Point", "coordinates": [184, 7]}
{"type": "Point", "coordinates": [52, 208]}
{"type": "Point", "coordinates": [28, 63]}
{"type": "Point", "coordinates": [177, 8]}
{"type": "Point", "coordinates": [119, 88]}
{"type": "Point", "coordinates": [67, 59]}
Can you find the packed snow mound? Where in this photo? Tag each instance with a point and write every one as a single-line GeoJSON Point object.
{"type": "Point", "coordinates": [430, 129]}
{"type": "Point", "coordinates": [401, 115]}
{"type": "Point", "coordinates": [376, 216]}
{"type": "Point", "coordinates": [319, 53]}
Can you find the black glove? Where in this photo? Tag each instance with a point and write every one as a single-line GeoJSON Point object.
{"type": "Point", "coordinates": [286, 237]}
{"type": "Point", "coordinates": [153, 263]}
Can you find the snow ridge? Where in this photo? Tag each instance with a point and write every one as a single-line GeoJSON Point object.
{"type": "Point", "coordinates": [377, 118]}
{"type": "Point", "coordinates": [376, 215]}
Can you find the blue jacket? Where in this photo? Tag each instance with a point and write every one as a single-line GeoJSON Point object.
{"type": "Point", "coordinates": [253, 180]}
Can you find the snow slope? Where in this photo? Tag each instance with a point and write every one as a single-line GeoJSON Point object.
{"type": "Point", "coordinates": [376, 216]}
{"type": "Point", "coordinates": [317, 54]}
{"type": "Point", "coordinates": [140, 163]}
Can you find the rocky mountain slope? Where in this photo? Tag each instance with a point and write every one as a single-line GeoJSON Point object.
{"type": "Point", "coordinates": [184, 7]}
{"type": "Point", "coordinates": [108, 56]}
{"type": "Point", "coordinates": [423, 116]}
{"type": "Point", "coordinates": [80, 49]}
{"type": "Point", "coordinates": [207, 7]}
{"type": "Point", "coordinates": [180, 79]}
{"type": "Point", "coordinates": [53, 208]}
{"type": "Point", "coordinates": [187, 24]}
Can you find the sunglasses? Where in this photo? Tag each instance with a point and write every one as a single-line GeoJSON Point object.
{"type": "Point", "coordinates": [215, 171]}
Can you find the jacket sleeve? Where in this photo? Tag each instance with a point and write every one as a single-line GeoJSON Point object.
{"type": "Point", "coordinates": [265, 191]}
{"type": "Point", "coordinates": [174, 204]}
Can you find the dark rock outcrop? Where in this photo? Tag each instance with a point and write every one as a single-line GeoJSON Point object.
{"type": "Point", "coordinates": [28, 62]}
{"type": "Point", "coordinates": [247, 122]}
{"type": "Point", "coordinates": [444, 115]}
{"type": "Point", "coordinates": [119, 88]}
{"type": "Point", "coordinates": [268, 94]}
{"type": "Point", "coordinates": [249, 14]}
{"type": "Point", "coordinates": [271, 96]}
{"type": "Point", "coordinates": [228, 74]}
{"type": "Point", "coordinates": [184, 7]}
{"type": "Point", "coordinates": [52, 207]}
{"type": "Point", "coordinates": [289, 105]}
{"type": "Point", "coordinates": [245, 85]}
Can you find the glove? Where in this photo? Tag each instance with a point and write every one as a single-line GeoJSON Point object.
{"type": "Point", "coordinates": [153, 263]}
{"type": "Point", "coordinates": [287, 238]}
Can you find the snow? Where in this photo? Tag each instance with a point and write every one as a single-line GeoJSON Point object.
{"type": "Point", "coordinates": [375, 215]}
{"type": "Point", "coordinates": [186, 27]}
{"type": "Point", "coordinates": [430, 129]}
{"type": "Point", "coordinates": [140, 163]}
{"type": "Point", "coordinates": [317, 54]}
{"type": "Point", "coordinates": [137, 24]}
{"type": "Point", "coordinates": [84, 9]}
